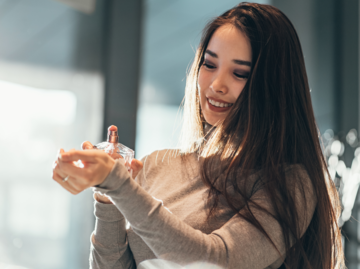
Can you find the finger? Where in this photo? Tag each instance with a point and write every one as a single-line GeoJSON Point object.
{"type": "Point", "coordinates": [102, 198]}
{"type": "Point", "coordinates": [70, 169]}
{"type": "Point", "coordinates": [75, 155]}
{"type": "Point", "coordinates": [115, 156]}
{"type": "Point", "coordinates": [59, 177]}
{"type": "Point", "coordinates": [136, 166]}
{"type": "Point", "coordinates": [83, 177]}
{"type": "Point", "coordinates": [86, 145]}
{"type": "Point", "coordinates": [58, 171]}
{"type": "Point", "coordinates": [76, 184]}
{"type": "Point", "coordinates": [60, 151]}
{"type": "Point", "coordinates": [65, 184]}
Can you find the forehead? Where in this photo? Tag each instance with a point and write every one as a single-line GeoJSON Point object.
{"type": "Point", "coordinates": [231, 42]}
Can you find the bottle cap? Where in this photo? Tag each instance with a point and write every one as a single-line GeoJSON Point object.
{"type": "Point", "coordinates": [113, 134]}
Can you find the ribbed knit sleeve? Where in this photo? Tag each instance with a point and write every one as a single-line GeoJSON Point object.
{"type": "Point", "coordinates": [109, 245]}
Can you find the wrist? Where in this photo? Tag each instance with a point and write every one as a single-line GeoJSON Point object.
{"type": "Point", "coordinates": [108, 165]}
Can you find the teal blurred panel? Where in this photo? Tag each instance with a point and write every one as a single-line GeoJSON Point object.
{"type": "Point", "coordinates": [86, 6]}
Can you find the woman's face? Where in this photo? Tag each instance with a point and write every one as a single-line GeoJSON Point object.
{"type": "Point", "coordinates": [224, 72]}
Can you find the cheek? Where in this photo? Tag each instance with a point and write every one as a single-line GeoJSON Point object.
{"type": "Point", "coordinates": [203, 79]}
{"type": "Point", "coordinates": [201, 90]}
{"type": "Point", "coordinates": [237, 89]}
{"type": "Point", "coordinates": [203, 82]}
{"type": "Point", "coordinates": [200, 84]}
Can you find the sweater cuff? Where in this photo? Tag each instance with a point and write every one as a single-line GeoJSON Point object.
{"type": "Point", "coordinates": [107, 212]}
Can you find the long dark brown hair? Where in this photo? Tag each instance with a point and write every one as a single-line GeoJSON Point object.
{"type": "Point", "coordinates": [270, 126]}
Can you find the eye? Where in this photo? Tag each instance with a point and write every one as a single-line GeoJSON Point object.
{"type": "Point", "coordinates": [209, 65]}
{"type": "Point", "coordinates": [242, 76]}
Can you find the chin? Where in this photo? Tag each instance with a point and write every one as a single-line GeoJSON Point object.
{"type": "Point", "coordinates": [212, 119]}
{"type": "Point", "coordinates": [213, 122]}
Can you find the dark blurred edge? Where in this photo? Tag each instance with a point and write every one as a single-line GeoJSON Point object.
{"type": "Point", "coordinates": [348, 94]}
{"type": "Point", "coordinates": [121, 51]}
{"type": "Point", "coordinates": [108, 41]}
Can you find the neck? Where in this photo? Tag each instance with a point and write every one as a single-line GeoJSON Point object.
{"type": "Point", "coordinates": [208, 129]}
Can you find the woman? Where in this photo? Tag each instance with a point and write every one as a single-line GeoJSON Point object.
{"type": "Point", "coordinates": [248, 188]}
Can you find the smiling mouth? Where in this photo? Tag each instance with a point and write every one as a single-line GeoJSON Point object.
{"type": "Point", "coordinates": [219, 104]}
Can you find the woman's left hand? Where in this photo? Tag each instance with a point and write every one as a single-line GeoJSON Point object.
{"type": "Point", "coordinates": [96, 167]}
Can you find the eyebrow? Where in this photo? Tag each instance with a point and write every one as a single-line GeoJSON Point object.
{"type": "Point", "coordinates": [241, 62]}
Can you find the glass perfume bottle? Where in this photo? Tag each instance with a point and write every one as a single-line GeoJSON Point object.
{"type": "Point", "coordinates": [112, 146]}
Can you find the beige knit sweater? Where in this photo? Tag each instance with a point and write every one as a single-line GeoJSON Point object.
{"type": "Point", "coordinates": [166, 208]}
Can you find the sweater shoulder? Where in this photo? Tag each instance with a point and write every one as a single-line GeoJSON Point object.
{"type": "Point", "coordinates": [159, 160]}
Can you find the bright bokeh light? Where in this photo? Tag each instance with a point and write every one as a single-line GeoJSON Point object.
{"type": "Point", "coordinates": [23, 103]}
{"type": "Point", "coordinates": [333, 161]}
{"type": "Point", "coordinates": [23, 109]}
{"type": "Point", "coordinates": [154, 134]}
{"type": "Point", "coordinates": [32, 207]}
{"type": "Point", "coordinates": [8, 266]}
{"type": "Point", "coordinates": [35, 212]}
{"type": "Point", "coordinates": [357, 152]}
{"type": "Point", "coordinates": [332, 172]}
{"type": "Point", "coordinates": [355, 165]}
{"type": "Point", "coordinates": [41, 222]}
{"type": "Point", "coordinates": [346, 178]}
{"type": "Point", "coordinates": [329, 134]}
{"type": "Point", "coordinates": [351, 137]}
{"type": "Point", "coordinates": [340, 168]}
{"type": "Point", "coordinates": [27, 116]}
{"type": "Point", "coordinates": [336, 147]}
{"type": "Point", "coordinates": [163, 264]}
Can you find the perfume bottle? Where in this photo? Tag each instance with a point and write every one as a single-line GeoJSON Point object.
{"type": "Point", "coordinates": [112, 146]}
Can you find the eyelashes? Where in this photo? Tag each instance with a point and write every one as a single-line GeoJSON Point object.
{"type": "Point", "coordinates": [241, 75]}
{"type": "Point", "coordinates": [208, 65]}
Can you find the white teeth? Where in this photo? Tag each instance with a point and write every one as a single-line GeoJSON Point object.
{"type": "Point", "coordinates": [219, 104]}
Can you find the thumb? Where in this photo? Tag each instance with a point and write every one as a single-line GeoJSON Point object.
{"type": "Point", "coordinates": [136, 166]}
{"type": "Point", "coordinates": [60, 151]}
{"type": "Point", "coordinates": [86, 145]}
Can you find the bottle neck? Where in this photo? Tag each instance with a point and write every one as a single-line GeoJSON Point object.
{"type": "Point", "coordinates": [113, 137]}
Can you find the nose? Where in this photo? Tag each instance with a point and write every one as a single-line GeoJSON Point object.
{"type": "Point", "coordinates": [219, 83]}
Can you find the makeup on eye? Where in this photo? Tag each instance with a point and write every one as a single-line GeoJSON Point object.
{"type": "Point", "coordinates": [242, 74]}
{"type": "Point", "coordinates": [238, 73]}
{"type": "Point", "coordinates": [208, 64]}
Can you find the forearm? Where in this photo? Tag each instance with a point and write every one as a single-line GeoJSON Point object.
{"type": "Point", "coordinates": [109, 245]}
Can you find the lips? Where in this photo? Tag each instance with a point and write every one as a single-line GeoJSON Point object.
{"type": "Point", "coordinates": [217, 109]}
{"type": "Point", "coordinates": [219, 104]}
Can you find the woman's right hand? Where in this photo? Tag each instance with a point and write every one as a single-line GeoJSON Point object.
{"type": "Point", "coordinates": [135, 165]}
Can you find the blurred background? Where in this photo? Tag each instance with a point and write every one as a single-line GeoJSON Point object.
{"type": "Point", "coordinates": [71, 68]}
